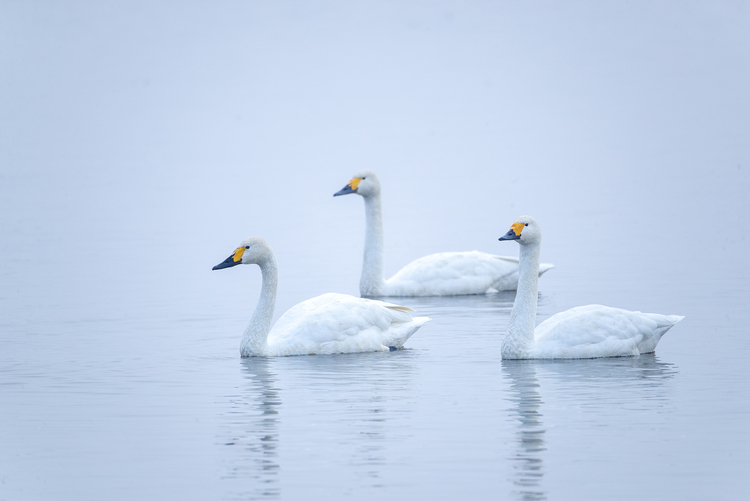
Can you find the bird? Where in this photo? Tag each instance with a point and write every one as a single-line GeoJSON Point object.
{"type": "Point", "coordinates": [441, 274]}
{"type": "Point", "coordinates": [326, 324]}
{"type": "Point", "coordinates": [591, 331]}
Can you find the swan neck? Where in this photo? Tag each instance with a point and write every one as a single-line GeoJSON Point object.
{"type": "Point", "coordinates": [372, 282]}
{"type": "Point", "coordinates": [255, 340]}
{"type": "Point", "coordinates": [520, 337]}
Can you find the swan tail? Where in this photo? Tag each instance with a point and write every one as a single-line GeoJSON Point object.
{"type": "Point", "coordinates": [421, 320]}
{"type": "Point", "coordinates": [543, 267]}
{"type": "Point", "coordinates": [663, 324]}
{"type": "Point", "coordinates": [669, 322]}
{"type": "Point", "coordinates": [402, 331]}
{"type": "Point", "coordinates": [666, 322]}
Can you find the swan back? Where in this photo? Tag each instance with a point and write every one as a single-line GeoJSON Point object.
{"type": "Point", "coordinates": [454, 273]}
{"type": "Point", "coordinates": [339, 323]}
{"type": "Point", "coordinates": [600, 331]}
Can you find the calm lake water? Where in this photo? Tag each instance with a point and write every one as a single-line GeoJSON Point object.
{"type": "Point", "coordinates": [141, 144]}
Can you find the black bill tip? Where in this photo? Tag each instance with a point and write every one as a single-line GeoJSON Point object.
{"type": "Point", "coordinates": [344, 191]}
{"type": "Point", "coordinates": [511, 235]}
{"type": "Point", "coordinates": [227, 263]}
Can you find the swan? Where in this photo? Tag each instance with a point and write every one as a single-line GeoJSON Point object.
{"type": "Point", "coordinates": [330, 323]}
{"type": "Point", "coordinates": [591, 331]}
{"type": "Point", "coordinates": [441, 274]}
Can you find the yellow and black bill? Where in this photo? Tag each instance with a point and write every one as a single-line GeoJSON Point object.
{"type": "Point", "coordinates": [232, 260]}
{"type": "Point", "coordinates": [514, 233]}
{"type": "Point", "coordinates": [351, 187]}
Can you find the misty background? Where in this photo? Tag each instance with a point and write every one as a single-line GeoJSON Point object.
{"type": "Point", "coordinates": [142, 141]}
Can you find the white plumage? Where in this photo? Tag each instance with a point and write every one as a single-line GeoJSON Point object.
{"type": "Point", "coordinates": [339, 323]}
{"type": "Point", "coordinates": [456, 273]}
{"type": "Point", "coordinates": [442, 274]}
{"type": "Point", "coordinates": [327, 324]}
{"type": "Point", "coordinates": [583, 332]}
{"type": "Point", "coordinates": [600, 331]}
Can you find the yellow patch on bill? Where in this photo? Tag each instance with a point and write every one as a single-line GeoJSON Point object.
{"type": "Point", "coordinates": [354, 183]}
{"type": "Point", "coordinates": [517, 228]}
{"type": "Point", "coordinates": [238, 254]}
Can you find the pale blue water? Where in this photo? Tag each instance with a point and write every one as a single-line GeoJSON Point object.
{"type": "Point", "coordinates": [140, 144]}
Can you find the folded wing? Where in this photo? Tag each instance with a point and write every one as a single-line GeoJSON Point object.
{"type": "Point", "coordinates": [339, 323]}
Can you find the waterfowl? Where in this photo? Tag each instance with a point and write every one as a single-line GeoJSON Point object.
{"type": "Point", "coordinates": [591, 331]}
{"type": "Point", "coordinates": [441, 274]}
{"type": "Point", "coordinates": [330, 323]}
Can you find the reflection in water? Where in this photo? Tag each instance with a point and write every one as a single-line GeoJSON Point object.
{"type": "Point", "coordinates": [359, 403]}
{"type": "Point", "coordinates": [636, 379]}
{"type": "Point", "coordinates": [257, 417]}
{"type": "Point", "coordinates": [634, 383]}
{"type": "Point", "coordinates": [366, 409]}
{"type": "Point", "coordinates": [530, 435]}
{"type": "Point", "coordinates": [484, 310]}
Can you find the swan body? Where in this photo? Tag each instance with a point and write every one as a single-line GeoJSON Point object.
{"type": "Point", "coordinates": [591, 331]}
{"type": "Point", "coordinates": [326, 324]}
{"type": "Point", "coordinates": [442, 274]}
{"type": "Point", "coordinates": [455, 273]}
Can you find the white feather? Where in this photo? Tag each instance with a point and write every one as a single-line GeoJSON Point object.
{"type": "Point", "coordinates": [339, 323]}
{"type": "Point", "coordinates": [600, 331]}
{"type": "Point", "coordinates": [456, 273]}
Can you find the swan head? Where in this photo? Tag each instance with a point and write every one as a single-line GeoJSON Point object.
{"type": "Point", "coordinates": [364, 183]}
{"type": "Point", "coordinates": [525, 230]}
{"type": "Point", "coordinates": [253, 250]}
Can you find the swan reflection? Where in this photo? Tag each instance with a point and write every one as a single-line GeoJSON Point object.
{"type": "Point", "coordinates": [359, 400]}
{"type": "Point", "coordinates": [339, 410]}
{"type": "Point", "coordinates": [255, 431]}
{"type": "Point", "coordinates": [527, 457]}
{"type": "Point", "coordinates": [634, 383]}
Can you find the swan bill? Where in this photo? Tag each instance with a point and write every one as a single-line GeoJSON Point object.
{"type": "Point", "coordinates": [232, 260]}
{"type": "Point", "coordinates": [351, 187]}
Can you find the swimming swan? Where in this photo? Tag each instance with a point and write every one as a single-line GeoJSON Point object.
{"type": "Point", "coordinates": [591, 331]}
{"type": "Point", "coordinates": [331, 323]}
{"type": "Point", "coordinates": [442, 274]}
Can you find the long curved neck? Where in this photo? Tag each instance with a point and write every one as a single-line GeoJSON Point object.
{"type": "Point", "coordinates": [255, 340]}
{"type": "Point", "coordinates": [520, 336]}
{"type": "Point", "coordinates": [372, 282]}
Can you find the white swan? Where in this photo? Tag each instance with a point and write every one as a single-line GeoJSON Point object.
{"type": "Point", "coordinates": [331, 323]}
{"type": "Point", "coordinates": [442, 274]}
{"type": "Point", "coordinates": [583, 332]}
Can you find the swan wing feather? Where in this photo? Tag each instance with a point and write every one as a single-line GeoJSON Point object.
{"type": "Point", "coordinates": [600, 331]}
{"type": "Point", "coordinates": [453, 273]}
{"type": "Point", "coordinates": [338, 323]}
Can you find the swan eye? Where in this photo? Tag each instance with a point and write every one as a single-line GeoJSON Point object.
{"type": "Point", "coordinates": [247, 246]}
{"type": "Point", "coordinates": [526, 224]}
{"type": "Point", "coordinates": [364, 178]}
